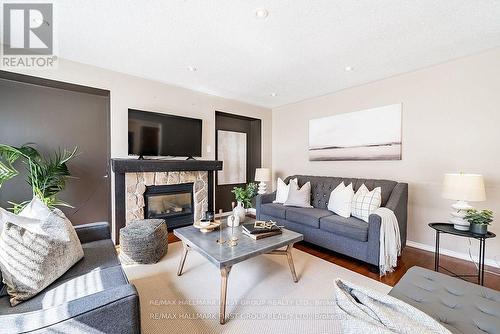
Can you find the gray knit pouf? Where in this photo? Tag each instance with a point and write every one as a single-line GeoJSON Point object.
{"type": "Point", "coordinates": [143, 241]}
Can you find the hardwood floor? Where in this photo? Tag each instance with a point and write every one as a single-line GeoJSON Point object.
{"type": "Point", "coordinates": [410, 257]}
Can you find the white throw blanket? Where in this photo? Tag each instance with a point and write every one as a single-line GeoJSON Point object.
{"type": "Point", "coordinates": [363, 310]}
{"type": "Point", "coordinates": [390, 240]}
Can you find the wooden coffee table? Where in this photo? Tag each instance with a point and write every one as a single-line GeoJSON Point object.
{"type": "Point", "coordinates": [247, 248]}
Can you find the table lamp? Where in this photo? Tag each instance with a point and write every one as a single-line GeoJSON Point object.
{"type": "Point", "coordinates": [462, 188]}
{"type": "Point", "coordinates": [262, 175]}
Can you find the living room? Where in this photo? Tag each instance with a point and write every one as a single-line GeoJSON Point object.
{"type": "Point", "coordinates": [148, 184]}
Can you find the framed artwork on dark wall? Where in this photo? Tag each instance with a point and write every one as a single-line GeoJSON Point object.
{"type": "Point", "coordinates": [232, 151]}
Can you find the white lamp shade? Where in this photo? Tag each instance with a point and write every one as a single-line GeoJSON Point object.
{"type": "Point", "coordinates": [464, 187]}
{"type": "Point", "coordinates": [262, 174]}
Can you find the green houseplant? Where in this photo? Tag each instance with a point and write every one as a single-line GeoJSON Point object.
{"type": "Point", "coordinates": [46, 175]}
{"type": "Point", "coordinates": [243, 196]}
{"type": "Point", "coordinates": [479, 220]}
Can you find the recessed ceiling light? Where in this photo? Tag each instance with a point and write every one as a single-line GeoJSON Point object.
{"type": "Point", "coordinates": [273, 94]}
{"type": "Point", "coordinates": [349, 68]}
{"type": "Point", "coordinates": [192, 69]}
{"type": "Point", "coordinates": [261, 13]}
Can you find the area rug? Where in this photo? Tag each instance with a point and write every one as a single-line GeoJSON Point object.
{"type": "Point", "coordinates": [262, 297]}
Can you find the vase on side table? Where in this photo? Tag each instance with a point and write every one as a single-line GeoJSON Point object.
{"type": "Point", "coordinates": [240, 211]}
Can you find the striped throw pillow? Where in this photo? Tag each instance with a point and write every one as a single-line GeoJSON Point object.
{"type": "Point", "coordinates": [365, 202]}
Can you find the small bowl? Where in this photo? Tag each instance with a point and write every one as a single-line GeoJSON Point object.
{"type": "Point", "coordinates": [205, 223]}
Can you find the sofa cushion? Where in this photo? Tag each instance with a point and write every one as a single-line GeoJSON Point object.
{"type": "Point", "coordinates": [460, 306]}
{"type": "Point", "coordinates": [351, 227]}
{"type": "Point", "coordinates": [273, 210]}
{"type": "Point", "coordinates": [306, 216]}
{"type": "Point", "coordinates": [99, 254]}
{"type": "Point", "coordinates": [62, 291]}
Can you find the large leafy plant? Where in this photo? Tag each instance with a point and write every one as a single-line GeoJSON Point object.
{"type": "Point", "coordinates": [245, 194]}
{"type": "Point", "coordinates": [46, 175]}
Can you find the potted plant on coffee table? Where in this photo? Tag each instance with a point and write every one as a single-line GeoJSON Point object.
{"type": "Point", "coordinates": [479, 220]}
{"type": "Point", "coordinates": [243, 196]}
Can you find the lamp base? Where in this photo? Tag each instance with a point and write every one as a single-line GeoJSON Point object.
{"type": "Point", "coordinates": [262, 188]}
{"type": "Point", "coordinates": [457, 215]}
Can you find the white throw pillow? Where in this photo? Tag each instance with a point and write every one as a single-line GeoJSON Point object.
{"type": "Point", "coordinates": [36, 248]}
{"type": "Point", "coordinates": [365, 202]}
{"type": "Point", "coordinates": [341, 199]}
{"type": "Point", "coordinates": [299, 197]}
{"type": "Point", "coordinates": [282, 190]}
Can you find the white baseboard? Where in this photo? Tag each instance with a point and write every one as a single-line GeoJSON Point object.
{"type": "Point", "coordinates": [458, 255]}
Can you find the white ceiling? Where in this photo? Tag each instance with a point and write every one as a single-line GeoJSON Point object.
{"type": "Point", "coordinates": [300, 50]}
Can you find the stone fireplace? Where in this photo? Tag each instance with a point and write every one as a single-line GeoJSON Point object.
{"type": "Point", "coordinates": [160, 188]}
{"type": "Point", "coordinates": [164, 194]}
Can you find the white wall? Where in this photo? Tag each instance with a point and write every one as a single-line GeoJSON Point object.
{"type": "Point", "coordinates": [133, 92]}
{"type": "Point", "coordinates": [451, 123]}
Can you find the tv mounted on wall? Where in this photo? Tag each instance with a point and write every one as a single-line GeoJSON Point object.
{"type": "Point", "coordinates": [156, 134]}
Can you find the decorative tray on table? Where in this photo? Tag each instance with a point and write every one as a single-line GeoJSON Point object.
{"type": "Point", "coordinates": [208, 228]}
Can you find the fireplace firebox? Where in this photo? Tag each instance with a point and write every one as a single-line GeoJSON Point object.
{"type": "Point", "coordinates": [174, 203]}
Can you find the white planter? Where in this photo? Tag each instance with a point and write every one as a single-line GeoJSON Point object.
{"type": "Point", "coordinates": [240, 211]}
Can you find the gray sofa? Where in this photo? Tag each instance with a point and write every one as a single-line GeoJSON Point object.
{"type": "Point", "coordinates": [349, 236]}
{"type": "Point", "coordinates": [94, 296]}
{"type": "Point", "coordinates": [460, 306]}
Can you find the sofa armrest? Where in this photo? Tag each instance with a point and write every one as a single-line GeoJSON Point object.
{"type": "Point", "coordinates": [93, 232]}
{"type": "Point", "coordinates": [263, 199]}
{"type": "Point", "coordinates": [398, 202]}
{"type": "Point", "coordinates": [373, 251]}
{"type": "Point", "coordinates": [110, 311]}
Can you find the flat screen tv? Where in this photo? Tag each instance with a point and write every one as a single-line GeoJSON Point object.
{"type": "Point", "coordinates": [156, 134]}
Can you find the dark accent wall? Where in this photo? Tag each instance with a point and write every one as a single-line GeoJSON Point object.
{"type": "Point", "coordinates": [59, 115]}
{"type": "Point", "coordinates": [252, 127]}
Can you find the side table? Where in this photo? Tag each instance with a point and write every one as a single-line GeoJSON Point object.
{"type": "Point", "coordinates": [448, 229]}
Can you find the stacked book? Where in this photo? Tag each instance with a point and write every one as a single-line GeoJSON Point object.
{"type": "Point", "coordinates": [256, 230]}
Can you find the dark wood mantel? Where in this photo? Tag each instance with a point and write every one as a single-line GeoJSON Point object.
{"type": "Point", "coordinates": [163, 165]}
{"type": "Point", "coordinates": [122, 166]}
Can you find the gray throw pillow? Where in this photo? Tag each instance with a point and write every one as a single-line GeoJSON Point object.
{"type": "Point", "coordinates": [34, 252]}
{"type": "Point", "coordinates": [299, 197]}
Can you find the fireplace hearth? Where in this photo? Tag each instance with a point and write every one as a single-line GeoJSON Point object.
{"type": "Point", "coordinates": [174, 203]}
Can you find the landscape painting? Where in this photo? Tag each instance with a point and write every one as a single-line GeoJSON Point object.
{"type": "Point", "coordinates": [371, 134]}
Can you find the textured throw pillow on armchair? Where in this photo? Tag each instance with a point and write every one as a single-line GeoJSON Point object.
{"type": "Point", "coordinates": [36, 247]}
